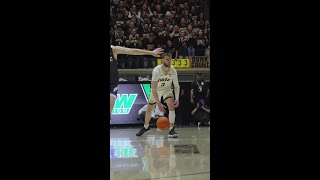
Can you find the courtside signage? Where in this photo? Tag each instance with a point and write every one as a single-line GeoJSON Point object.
{"type": "Point", "coordinates": [124, 103]}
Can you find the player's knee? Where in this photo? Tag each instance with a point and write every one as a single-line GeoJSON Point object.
{"type": "Point", "coordinates": [170, 105]}
{"type": "Point", "coordinates": [150, 108]}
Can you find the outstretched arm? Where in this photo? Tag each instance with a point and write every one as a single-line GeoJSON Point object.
{"type": "Point", "coordinates": [133, 51]}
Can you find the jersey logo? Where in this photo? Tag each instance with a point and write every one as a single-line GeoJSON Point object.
{"type": "Point", "coordinates": [164, 79]}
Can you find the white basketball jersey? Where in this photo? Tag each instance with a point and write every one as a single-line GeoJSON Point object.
{"type": "Point", "coordinates": [164, 80]}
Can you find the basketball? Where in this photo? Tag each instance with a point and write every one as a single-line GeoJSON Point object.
{"type": "Point", "coordinates": [163, 123]}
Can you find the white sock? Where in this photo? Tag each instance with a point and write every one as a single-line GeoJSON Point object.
{"type": "Point", "coordinates": [146, 126]}
{"type": "Point", "coordinates": [172, 117]}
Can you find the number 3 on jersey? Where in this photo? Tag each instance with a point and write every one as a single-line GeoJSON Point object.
{"type": "Point", "coordinates": [162, 84]}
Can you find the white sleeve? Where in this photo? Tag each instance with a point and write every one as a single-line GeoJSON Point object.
{"type": "Point", "coordinates": [176, 84]}
{"type": "Point", "coordinates": [155, 74]}
{"type": "Point", "coordinates": [144, 108]}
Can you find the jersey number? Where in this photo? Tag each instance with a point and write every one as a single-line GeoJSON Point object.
{"type": "Point", "coordinates": [162, 84]}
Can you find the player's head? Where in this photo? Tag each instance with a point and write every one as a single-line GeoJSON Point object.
{"type": "Point", "coordinates": [198, 75]}
{"type": "Point", "coordinates": [166, 59]}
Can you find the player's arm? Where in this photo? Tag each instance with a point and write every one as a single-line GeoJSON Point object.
{"type": "Point", "coordinates": [206, 110]}
{"type": "Point", "coordinates": [176, 85]}
{"type": "Point", "coordinates": [191, 95]}
{"type": "Point", "coordinates": [133, 51]}
{"type": "Point", "coordinates": [195, 110]}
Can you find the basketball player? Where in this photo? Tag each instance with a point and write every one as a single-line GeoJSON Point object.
{"type": "Point", "coordinates": [163, 76]}
{"type": "Point", "coordinates": [114, 77]}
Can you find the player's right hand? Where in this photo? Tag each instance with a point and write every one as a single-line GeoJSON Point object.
{"type": "Point", "coordinates": [161, 107]}
{"type": "Point", "coordinates": [157, 52]}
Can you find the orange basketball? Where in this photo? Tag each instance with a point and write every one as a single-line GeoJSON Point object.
{"type": "Point", "coordinates": [163, 123]}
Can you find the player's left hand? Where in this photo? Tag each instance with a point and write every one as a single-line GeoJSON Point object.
{"type": "Point", "coordinates": [176, 104]}
{"type": "Point", "coordinates": [157, 52]}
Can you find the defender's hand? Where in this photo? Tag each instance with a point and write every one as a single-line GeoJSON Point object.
{"type": "Point", "coordinates": [157, 52]}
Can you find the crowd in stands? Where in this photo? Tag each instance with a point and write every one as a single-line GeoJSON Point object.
{"type": "Point", "coordinates": [178, 26]}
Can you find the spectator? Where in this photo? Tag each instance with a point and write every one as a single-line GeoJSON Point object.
{"type": "Point", "coordinates": [191, 35]}
{"type": "Point", "coordinates": [201, 44]}
{"type": "Point", "coordinates": [121, 6]}
{"type": "Point", "coordinates": [171, 7]}
{"type": "Point", "coordinates": [149, 44]}
{"type": "Point", "coordinates": [137, 22]}
{"type": "Point", "coordinates": [131, 26]}
{"type": "Point", "coordinates": [183, 45]}
{"type": "Point", "coordinates": [146, 9]}
{"type": "Point", "coordinates": [133, 12]}
{"type": "Point", "coordinates": [207, 24]}
{"type": "Point", "coordinates": [187, 16]}
{"type": "Point", "coordinates": [145, 17]}
{"type": "Point", "coordinates": [195, 24]}
{"type": "Point", "coordinates": [183, 24]}
{"type": "Point", "coordinates": [201, 113]}
{"type": "Point", "coordinates": [161, 33]}
{"type": "Point", "coordinates": [154, 22]}
{"type": "Point", "coordinates": [201, 24]}
{"type": "Point", "coordinates": [171, 49]}
{"type": "Point", "coordinates": [165, 19]}
{"type": "Point", "coordinates": [194, 13]}
{"type": "Point", "coordinates": [174, 35]}
{"type": "Point", "coordinates": [119, 39]}
{"type": "Point", "coordinates": [120, 19]}
{"type": "Point", "coordinates": [133, 42]}
{"type": "Point", "coordinates": [145, 31]}
{"type": "Point", "coordinates": [169, 20]}
{"type": "Point", "coordinates": [159, 10]}
{"type": "Point", "coordinates": [207, 41]}
{"type": "Point", "coordinates": [177, 18]}
{"type": "Point", "coordinates": [199, 89]}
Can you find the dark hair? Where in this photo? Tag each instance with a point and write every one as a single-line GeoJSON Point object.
{"type": "Point", "coordinates": [165, 54]}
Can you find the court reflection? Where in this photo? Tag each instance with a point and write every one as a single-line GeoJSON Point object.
{"type": "Point", "coordinates": [159, 157]}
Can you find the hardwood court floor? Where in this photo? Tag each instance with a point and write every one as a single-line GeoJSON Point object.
{"type": "Point", "coordinates": [155, 156]}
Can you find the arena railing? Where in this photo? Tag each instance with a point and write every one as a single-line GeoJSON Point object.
{"type": "Point", "coordinates": [186, 68]}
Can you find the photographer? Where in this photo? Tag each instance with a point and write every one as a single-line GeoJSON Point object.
{"type": "Point", "coordinates": [201, 113]}
{"type": "Point", "coordinates": [199, 89]}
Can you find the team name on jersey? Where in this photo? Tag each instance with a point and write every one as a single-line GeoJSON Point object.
{"type": "Point", "coordinates": [164, 79]}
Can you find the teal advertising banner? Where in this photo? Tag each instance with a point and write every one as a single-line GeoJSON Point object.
{"type": "Point", "coordinates": [130, 99]}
